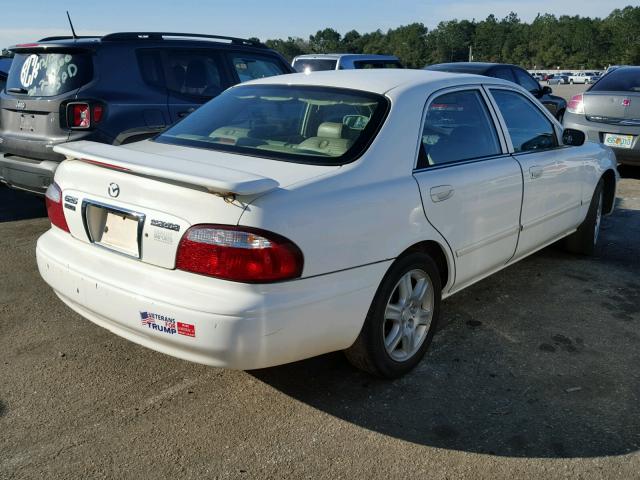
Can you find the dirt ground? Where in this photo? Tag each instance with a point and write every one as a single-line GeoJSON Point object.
{"type": "Point", "coordinates": [533, 374]}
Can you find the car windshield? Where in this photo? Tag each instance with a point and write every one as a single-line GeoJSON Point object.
{"type": "Point", "coordinates": [318, 125]}
{"type": "Point", "coordinates": [314, 64]}
{"type": "Point", "coordinates": [619, 80]}
{"type": "Point", "coordinates": [48, 74]}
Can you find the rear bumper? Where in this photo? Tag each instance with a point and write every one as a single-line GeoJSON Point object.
{"type": "Point", "coordinates": [26, 173]}
{"type": "Point", "coordinates": [206, 320]}
{"type": "Point", "coordinates": [595, 132]}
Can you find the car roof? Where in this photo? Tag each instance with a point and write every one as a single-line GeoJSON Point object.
{"type": "Point", "coordinates": [467, 67]}
{"type": "Point", "coordinates": [354, 56]}
{"type": "Point", "coordinates": [141, 38]}
{"type": "Point", "coordinates": [376, 80]}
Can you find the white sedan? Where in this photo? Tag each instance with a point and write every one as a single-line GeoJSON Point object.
{"type": "Point", "coordinates": [303, 214]}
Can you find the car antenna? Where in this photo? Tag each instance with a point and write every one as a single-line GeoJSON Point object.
{"type": "Point", "coordinates": [73, 32]}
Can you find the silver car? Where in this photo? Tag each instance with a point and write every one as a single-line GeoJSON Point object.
{"type": "Point", "coordinates": [609, 113]}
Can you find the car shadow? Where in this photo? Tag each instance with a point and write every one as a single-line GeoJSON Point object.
{"type": "Point", "coordinates": [539, 360]}
{"type": "Point", "coordinates": [19, 205]}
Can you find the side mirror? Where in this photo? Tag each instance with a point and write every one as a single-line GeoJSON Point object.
{"type": "Point", "coordinates": [546, 91]}
{"type": "Point", "coordinates": [572, 137]}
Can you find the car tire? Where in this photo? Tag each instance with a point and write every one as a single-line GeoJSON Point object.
{"type": "Point", "coordinates": [584, 240]}
{"type": "Point", "coordinates": [401, 321]}
{"type": "Point", "coordinates": [570, 82]}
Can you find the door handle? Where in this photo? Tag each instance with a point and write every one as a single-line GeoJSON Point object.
{"type": "Point", "coordinates": [441, 193]}
{"type": "Point", "coordinates": [535, 172]}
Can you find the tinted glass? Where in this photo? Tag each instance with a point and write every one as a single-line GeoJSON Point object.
{"type": "Point", "coordinates": [619, 80]}
{"type": "Point", "coordinates": [150, 63]}
{"type": "Point", "coordinates": [293, 123]}
{"type": "Point", "coordinates": [528, 127]}
{"type": "Point", "coordinates": [194, 73]}
{"type": "Point", "coordinates": [503, 73]}
{"type": "Point", "coordinates": [3, 82]}
{"type": "Point", "coordinates": [250, 67]}
{"type": "Point", "coordinates": [525, 80]}
{"type": "Point", "coordinates": [376, 64]}
{"type": "Point", "coordinates": [314, 65]}
{"type": "Point", "coordinates": [457, 127]}
{"type": "Point", "coordinates": [49, 74]}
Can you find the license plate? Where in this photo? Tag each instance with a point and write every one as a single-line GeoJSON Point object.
{"type": "Point", "coordinates": [120, 233]}
{"type": "Point", "coordinates": [27, 122]}
{"type": "Point", "coordinates": [618, 141]}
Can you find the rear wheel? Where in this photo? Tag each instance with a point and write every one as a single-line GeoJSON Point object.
{"type": "Point", "coordinates": [402, 318]}
{"type": "Point", "coordinates": [584, 240]}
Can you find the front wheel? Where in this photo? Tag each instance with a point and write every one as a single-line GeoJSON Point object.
{"type": "Point", "coordinates": [584, 240]}
{"type": "Point", "coordinates": [402, 318]}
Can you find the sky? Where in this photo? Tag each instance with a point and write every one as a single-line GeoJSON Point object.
{"type": "Point", "coordinates": [25, 21]}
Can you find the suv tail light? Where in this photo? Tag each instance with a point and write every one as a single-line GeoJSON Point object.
{"type": "Point", "coordinates": [55, 212]}
{"type": "Point", "coordinates": [576, 104]}
{"type": "Point", "coordinates": [240, 254]}
{"type": "Point", "coordinates": [82, 115]}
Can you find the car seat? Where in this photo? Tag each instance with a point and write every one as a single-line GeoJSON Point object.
{"type": "Point", "coordinates": [328, 140]}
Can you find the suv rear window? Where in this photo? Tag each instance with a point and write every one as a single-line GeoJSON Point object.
{"type": "Point", "coordinates": [318, 125]}
{"type": "Point", "coordinates": [377, 64]}
{"type": "Point", "coordinates": [314, 65]}
{"type": "Point", "coordinates": [619, 80]}
{"type": "Point", "coordinates": [49, 74]}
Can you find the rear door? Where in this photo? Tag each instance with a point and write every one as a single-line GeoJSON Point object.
{"type": "Point", "coordinates": [32, 106]}
{"type": "Point", "coordinates": [471, 187]}
{"type": "Point", "coordinates": [552, 173]}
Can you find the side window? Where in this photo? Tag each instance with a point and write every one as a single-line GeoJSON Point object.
{"type": "Point", "coordinates": [250, 66]}
{"type": "Point", "coordinates": [528, 127]}
{"type": "Point", "coordinates": [525, 80]}
{"type": "Point", "coordinates": [194, 73]}
{"type": "Point", "coordinates": [502, 72]}
{"type": "Point", "coordinates": [457, 127]}
{"type": "Point", "coordinates": [150, 64]}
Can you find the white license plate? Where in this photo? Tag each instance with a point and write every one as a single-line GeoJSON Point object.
{"type": "Point", "coordinates": [618, 141]}
{"type": "Point", "coordinates": [120, 233]}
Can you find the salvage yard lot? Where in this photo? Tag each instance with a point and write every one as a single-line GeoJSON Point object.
{"type": "Point", "coordinates": [535, 372]}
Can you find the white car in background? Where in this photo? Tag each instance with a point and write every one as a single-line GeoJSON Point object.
{"type": "Point", "coordinates": [343, 61]}
{"type": "Point", "coordinates": [303, 214]}
{"type": "Point", "coordinates": [582, 77]}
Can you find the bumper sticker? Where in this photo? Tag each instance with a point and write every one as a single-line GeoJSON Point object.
{"type": "Point", "coordinates": [166, 325]}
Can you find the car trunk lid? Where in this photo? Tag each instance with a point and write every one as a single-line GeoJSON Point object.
{"type": "Point", "coordinates": [138, 200]}
{"type": "Point", "coordinates": [612, 107]}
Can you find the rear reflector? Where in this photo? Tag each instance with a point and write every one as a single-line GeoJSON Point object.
{"type": "Point", "coordinates": [55, 211]}
{"type": "Point", "coordinates": [576, 104]}
{"type": "Point", "coordinates": [240, 254]}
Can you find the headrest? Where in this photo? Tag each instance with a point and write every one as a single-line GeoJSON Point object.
{"type": "Point", "coordinates": [330, 130]}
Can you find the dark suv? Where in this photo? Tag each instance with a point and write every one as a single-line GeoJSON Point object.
{"type": "Point", "coordinates": [556, 105]}
{"type": "Point", "coordinates": [119, 88]}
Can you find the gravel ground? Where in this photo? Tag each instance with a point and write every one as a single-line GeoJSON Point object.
{"type": "Point", "coordinates": [533, 374]}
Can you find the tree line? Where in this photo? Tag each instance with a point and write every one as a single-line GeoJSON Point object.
{"type": "Point", "coordinates": [548, 42]}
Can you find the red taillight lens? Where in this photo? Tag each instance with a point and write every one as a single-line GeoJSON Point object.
{"type": "Point", "coordinates": [241, 254]}
{"type": "Point", "coordinates": [576, 104]}
{"type": "Point", "coordinates": [98, 110]}
{"type": "Point", "coordinates": [79, 115]}
{"type": "Point", "coordinates": [55, 211]}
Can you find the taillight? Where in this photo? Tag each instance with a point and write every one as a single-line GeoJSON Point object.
{"type": "Point", "coordinates": [82, 115]}
{"type": "Point", "coordinates": [241, 254]}
{"type": "Point", "coordinates": [576, 104]}
{"type": "Point", "coordinates": [55, 211]}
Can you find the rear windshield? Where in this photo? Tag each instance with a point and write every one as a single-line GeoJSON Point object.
{"type": "Point", "coordinates": [314, 64]}
{"type": "Point", "coordinates": [317, 125]}
{"type": "Point", "coordinates": [48, 74]}
{"type": "Point", "coordinates": [619, 80]}
{"type": "Point", "coordinates": [377, 64]}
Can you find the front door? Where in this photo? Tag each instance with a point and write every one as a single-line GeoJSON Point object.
{"type": "Point", "coordinates": [471, 187]}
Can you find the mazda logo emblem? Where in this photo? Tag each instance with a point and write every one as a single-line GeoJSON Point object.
{"type": "Point", "coordinates": [114, 190]}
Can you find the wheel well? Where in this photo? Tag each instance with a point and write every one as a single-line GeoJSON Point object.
{"type": "Point", "coordinates": [609, 179]}
{"type": "Point", "coordinates": [435, 251]}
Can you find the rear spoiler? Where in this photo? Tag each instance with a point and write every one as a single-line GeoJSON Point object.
{"type": "Point", "coordinates": [214, 178]}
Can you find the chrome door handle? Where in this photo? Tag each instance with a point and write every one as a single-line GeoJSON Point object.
{"type": "Point", "coordinates": [441, 193]}
{"type": "Point", "coordinates": [535, 172]}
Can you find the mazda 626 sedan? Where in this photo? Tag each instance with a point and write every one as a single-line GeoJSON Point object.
{"type": "Point", "coordinates": [303, 214]}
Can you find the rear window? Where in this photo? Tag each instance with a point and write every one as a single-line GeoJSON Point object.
{"type": "Point", "coordinates": [314, 64]}
{"type": "Point", "coordinates": [318, 125]}
{"type": "Point", "coordinates": [376, 64]}
{"type": "Point", "coordinates": [49, 74]}
{"type": "Point", "coordinates": [619, 80]}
